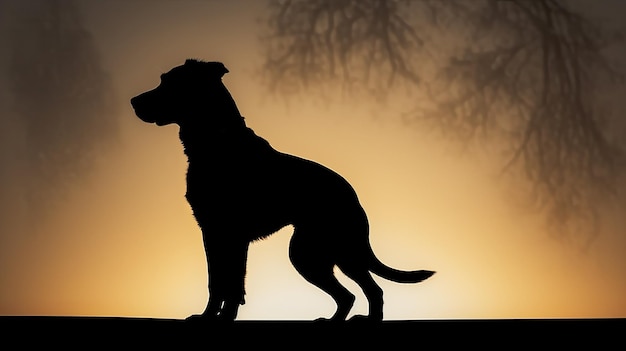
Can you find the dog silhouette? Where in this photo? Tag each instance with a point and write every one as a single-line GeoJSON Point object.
{"type": "Point", "coordinates": [241, 189]}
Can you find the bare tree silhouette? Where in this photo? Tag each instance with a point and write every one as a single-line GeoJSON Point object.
{"type": "Point", "coordinates": [60, 102]}
{"type": "Point", "coordinates": [528, 72]}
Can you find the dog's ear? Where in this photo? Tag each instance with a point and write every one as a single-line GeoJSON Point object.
{"type": "Point", "coordinates": [212, 69]}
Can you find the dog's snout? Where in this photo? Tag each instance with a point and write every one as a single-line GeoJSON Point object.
{"type": "Point", "coordinates": [135, 101]}
{"type": "Point", "coordinates": [150, 108]}
{"type": "Point", "coordinates": [141, 110]}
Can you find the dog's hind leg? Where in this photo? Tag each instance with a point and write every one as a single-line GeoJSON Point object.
{"type": "Point", "coordinates": [316, 267]}
{"type": "Point", "coordinates": [372, 291]}
{"type": "Point", "coordinates": [327, 281]}
{"type": "Point", "coordinates": [343, 298]}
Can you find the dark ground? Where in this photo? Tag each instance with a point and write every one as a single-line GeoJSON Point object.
{"type": "Point", "coordinates": [124, 333]}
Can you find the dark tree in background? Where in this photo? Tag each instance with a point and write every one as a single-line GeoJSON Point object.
{"type": "Point", "coordinates": [531, 73]}
{"type": "Point", "coordinates": [60, 103]}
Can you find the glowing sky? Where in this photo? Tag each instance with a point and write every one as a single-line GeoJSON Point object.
{"type": "Point", "coordinates": [126, 244]}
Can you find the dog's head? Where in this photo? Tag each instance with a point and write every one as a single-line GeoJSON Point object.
{"type": "Point", "coordinates": [190, 91]}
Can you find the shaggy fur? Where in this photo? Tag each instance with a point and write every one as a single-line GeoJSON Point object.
{"type": "Point", "coordinates": [241, 190]}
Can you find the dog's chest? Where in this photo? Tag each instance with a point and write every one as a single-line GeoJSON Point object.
{"type": "Point", "coordinates": [221, 181]}
{"type": "Point", "coordinates": [239, 177]}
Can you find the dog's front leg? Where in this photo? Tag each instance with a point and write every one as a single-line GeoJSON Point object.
{"type": "Point", "coordinates": [215, 287]}
{"type": "Point", "coordinates": [213, 306]}
{"type": "Point", "coordinates": [226, 261]}
{"type": "Point", "coordinates": [234, 272]}
{"type": "Point", "coordinates": [214, 251]}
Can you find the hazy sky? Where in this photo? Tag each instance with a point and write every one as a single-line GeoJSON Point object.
{"type": "Point", "coordinates": [125, 243]}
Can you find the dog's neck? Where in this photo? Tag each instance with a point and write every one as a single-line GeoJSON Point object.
{"type": "Point", "coordinates": [218, 129]}
{"type": "Point", "coordinates": [202, 139]}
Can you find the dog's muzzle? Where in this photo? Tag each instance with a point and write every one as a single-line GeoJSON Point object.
{"type": "Point", "coordinates": [141, 108]}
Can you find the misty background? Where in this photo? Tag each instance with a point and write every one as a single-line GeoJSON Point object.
{"type": "Point", "coordinates": [77, 167]}
{"type": "Point", "coordinates": [58, 109]}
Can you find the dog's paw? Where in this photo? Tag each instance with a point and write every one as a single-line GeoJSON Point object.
{"type": "Point", "coordinates": [201, 318]}
{"type": "Point", "coordinates": [327, 321]}
{"type": "Point", "coordinates": [361, 319]}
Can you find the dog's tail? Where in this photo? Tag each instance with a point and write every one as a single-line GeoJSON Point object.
{"type": "Point", "coordinates": [396, 275]}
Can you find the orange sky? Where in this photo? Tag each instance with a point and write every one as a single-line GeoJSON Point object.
{"type": "Point", "coordinates": [126, 244]}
